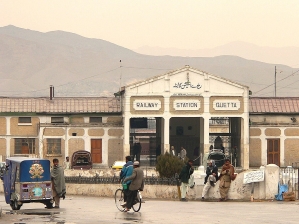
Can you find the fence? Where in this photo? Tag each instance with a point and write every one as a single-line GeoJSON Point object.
{"type": "Point", "coordinates": [115, 179]}
{"type": "Point", "coordinates": [289, 176]}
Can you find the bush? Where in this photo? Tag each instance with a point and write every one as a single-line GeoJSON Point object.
{"type": "Point", "coordinates": [168, 165]}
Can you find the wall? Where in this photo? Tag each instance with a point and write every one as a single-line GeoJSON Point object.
{"type": "Point", "coordinates": [288, 136]}
{"type": "Point", "coordinates": [238, 191]}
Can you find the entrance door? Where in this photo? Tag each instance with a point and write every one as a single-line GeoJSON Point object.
{"type": "Point", "coordinates": [273, 151]}
{"type": "Point", "coordinates": [96, 150]}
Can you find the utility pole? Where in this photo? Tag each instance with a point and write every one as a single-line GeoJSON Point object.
{"type": "Point", "coordinates": [275, 83]}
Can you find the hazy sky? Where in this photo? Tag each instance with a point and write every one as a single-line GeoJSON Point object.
{"type": "Point", "coordinates": [193, 24]}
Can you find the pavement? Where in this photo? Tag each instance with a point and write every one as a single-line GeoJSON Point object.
{"type": "Point", "coordinates": [86, 209]}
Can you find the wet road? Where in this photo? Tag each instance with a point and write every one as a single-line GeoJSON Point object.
{"type": "Point", "coordinates": [82, 209]}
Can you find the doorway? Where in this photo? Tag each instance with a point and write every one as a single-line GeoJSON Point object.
{"type": "Point", "coordinates": [96, 150]}
{"type": "Point", "coordinates": [273, 151]}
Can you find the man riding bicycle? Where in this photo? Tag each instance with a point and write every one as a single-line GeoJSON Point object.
{"type": "Point", "coordinates": [125, 172]}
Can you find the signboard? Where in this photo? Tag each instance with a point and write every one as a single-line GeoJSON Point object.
{"type": "Point", "coordinates": [147, 104]}
{"type": "Point", "coordinates": [254, 176]}
{"type": "Point", "coordinates": [226, 104]}
{"type": "Point", "coordinates": [186, 104]}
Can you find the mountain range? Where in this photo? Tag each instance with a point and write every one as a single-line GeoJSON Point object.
{"type": "Point", "coordinates": [31, 61]}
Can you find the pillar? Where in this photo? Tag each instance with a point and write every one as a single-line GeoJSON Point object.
{"type": "Point", "coordinates": [166, 135]}
{"type": "Point", "coordinates": [126, 147]}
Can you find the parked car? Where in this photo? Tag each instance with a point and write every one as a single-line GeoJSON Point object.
{"type": "Point", "coordinates": [218, 156]}
{"type": "Point", "coordinates": [27, 180]}
{"type": "Point", "coordinates": [81, 160]}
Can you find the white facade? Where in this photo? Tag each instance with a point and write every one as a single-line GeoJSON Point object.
{"type": "Point", "coordinates": [189, 96]}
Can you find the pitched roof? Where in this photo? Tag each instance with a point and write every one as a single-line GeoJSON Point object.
{"type": "Point", "coordinates": [274, 105]}
{"type": "Point", "coordinates": [173, 72]}
{"type": "Point", "coordinates": [60, 105]}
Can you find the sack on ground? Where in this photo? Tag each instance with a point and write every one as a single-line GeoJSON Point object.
{"type": "Point", "coordinates": [289, 196]}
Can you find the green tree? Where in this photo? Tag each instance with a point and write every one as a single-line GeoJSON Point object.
{"type": "Point", "coordinates": [167, 165]}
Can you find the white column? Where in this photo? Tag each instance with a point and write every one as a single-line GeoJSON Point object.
{"type": "Point", "coordinates": [66, 142]}
{"type": "Point", "coordinates": [41, 141]}
{"type": "Point", "coordinates": [245, 128]}
{"type": "Point", "coordinates": [126, 143]}
{"type": "Point", "coordinates": [166, 135]}
{"type": "Point", "coordinates": [206, 134]}
{"type": "Point", "coordinates": [282, 138]}
{"type": "Point", "coordinates": [263, 140]}
{"type": "Point", "coordinates": [271, 180]}
{"type": "Point", "coordinates": [8, 138]}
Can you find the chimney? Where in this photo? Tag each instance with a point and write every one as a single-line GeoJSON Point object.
{"type": "Point", "coordinates": [51, 92]}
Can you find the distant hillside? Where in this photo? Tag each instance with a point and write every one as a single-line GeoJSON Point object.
{"type": "Point", "coordinates": [275, 55]}
{"type": "Point", "coordinates": [31, 61]}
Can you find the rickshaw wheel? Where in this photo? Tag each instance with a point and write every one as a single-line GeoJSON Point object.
{"type": "Point", "coordinates": [14, 205]}
{"type": "Point", "coordinates": [49, 204]}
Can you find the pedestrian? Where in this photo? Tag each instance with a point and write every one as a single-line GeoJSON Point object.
{"type": "Point", "coordinates": [210, 179]}
{"type": "Point", "coordinates": [136, 184]}
{"type": "Point", "coordinates": [66, 163]}
{"type": "Point", "coordinates": [226, 176]}
{"type": "Point", "coordinates": [136, 151]}
{"type": "Point", "coordinates": [172, 151]}
{"type": "Point", "coordinates": [210, 183]}
{"type": "Point", "coordinates": [58, 182]}
{"type": "Point", "coordinates": [183, 153]}
{"type": "Point", "coordinates": [211, 168]}
{"type": "Point", "coordinates": [235, 155]}
{"type": "Point", "coordinates": [196, 152]}
{"type": "Point", "coordinates": [158, 151]}
{"type": "Point", "coordinates": [125, 172]}
{"type": "Point", "coordinates": [184, 176]}
{"type": "Point", "coordinates": [222, 148]}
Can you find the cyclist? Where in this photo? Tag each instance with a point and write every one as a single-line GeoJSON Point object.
{"type": "Point", "coordinates": [125, 172]}
{"type": "Point", "coordinates": [137, 184]}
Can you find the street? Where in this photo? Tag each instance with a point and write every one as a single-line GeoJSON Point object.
{"type": "Point", "coordinates": [84, 209]}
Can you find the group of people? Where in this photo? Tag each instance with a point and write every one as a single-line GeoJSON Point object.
{"type": "Point", "coordinates": [227, 174]}
{"type": "Point", "coordinates": [132, 175]}
{"type": "Point", "coordinates": [182, 154]}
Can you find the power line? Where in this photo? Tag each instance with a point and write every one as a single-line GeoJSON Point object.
{"type": "Point", "coordinates": [277, 81]}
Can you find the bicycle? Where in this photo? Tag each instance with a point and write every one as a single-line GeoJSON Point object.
{"type": "Point", "coordinates": [119, 199]}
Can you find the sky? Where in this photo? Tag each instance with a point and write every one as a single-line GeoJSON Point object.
{"type": "Point", "coordinates": [188, 24]}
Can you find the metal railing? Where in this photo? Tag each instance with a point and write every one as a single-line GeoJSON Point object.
{"type": "Point", "coordinates": [289, 175]}
{"type": "Point", "coordinates": [115, 179]}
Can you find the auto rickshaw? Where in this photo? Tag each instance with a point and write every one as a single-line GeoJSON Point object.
{"type": "Point", "coordinates": [218, 156]}
{"type": "Point", "coordinates": [27, 180]}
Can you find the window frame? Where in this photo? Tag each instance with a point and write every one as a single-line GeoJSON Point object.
{"type": "Point", "coordinates": [95, 120]}
{"type": "Point", "coordinates": [56, 143]}
{"type": "Point", "coordinates": [19, 142]}
{"type": "Point", "coordinates": [23, 121]}
{"type": "Point", "coordinates": [57, 120]}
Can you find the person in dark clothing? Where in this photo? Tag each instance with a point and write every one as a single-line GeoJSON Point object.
{"type": "Point", "coordinates": [137, 183]}
{"type": "Point", "coordinates": [58, 182]}
{"type": "Point", "coordinates": [158, 151]}
{"type": "Point", "coordinates": [184, 177]}
{"type": "Point", "coordinates": [136, 151]}
{"type": "Point", "coordinates": [125, 172]}
{"type": "Point", "coordinates": [211, 168]}
{"type": "Point", "coordinates": [222, 148]}
{"type": "Point", "coordinates": [234, 155]}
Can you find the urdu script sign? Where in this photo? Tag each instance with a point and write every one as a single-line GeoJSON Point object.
{"type": "Point", "coordinates": [254, 176]}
